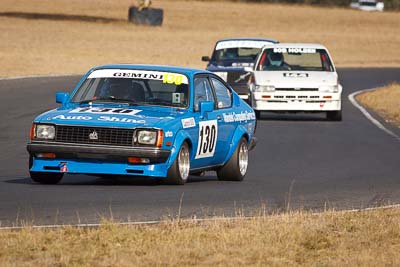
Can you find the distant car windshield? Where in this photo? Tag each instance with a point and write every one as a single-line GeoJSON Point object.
{"type": "Point", "coordinates": [236, 53]}
{"type": "Point", "coordinates": [297, 59]}
{"type": "Point", "coordinates": [134, 87]}
{"type": "Point", "coordinates": [242, 50]}
{"type": "Point", "coordinates": [367, 3]}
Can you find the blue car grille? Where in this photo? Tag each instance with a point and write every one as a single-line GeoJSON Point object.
{"type": "Point", "coordinates": [94, 135]}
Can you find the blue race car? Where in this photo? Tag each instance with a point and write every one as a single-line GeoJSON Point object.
{"type": "Point", "coordinates": [231, 56]}
{"type": "Point", "coordinates": [133, 120]}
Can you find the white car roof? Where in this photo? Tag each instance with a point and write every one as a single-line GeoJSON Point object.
{"type": "Point", "coordinates": [296, 45]}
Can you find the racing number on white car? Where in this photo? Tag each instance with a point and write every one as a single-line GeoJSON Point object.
{"type": "Point", "coordinates": [208, 133]}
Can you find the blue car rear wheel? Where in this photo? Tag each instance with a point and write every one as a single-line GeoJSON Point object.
{"type": "Point", "coordinates": [236, 168]}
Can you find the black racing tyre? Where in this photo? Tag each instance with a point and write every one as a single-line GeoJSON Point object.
{"type": "Point", "coordinates": [258, 114]}
{"type": "Point", "coordinates": [46, 177]}
{"type": "Point", "coordinates": [236, 168]}
{"type": "Point", "coordinates": [147, 16]}
{"type": "Point", "coordinates": [334, 115]}
{"type": "Point", "coordinates": [178, 173]}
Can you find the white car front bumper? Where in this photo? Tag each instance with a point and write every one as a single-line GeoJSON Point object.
{"type": "Point", "coordinates": [296, 101]}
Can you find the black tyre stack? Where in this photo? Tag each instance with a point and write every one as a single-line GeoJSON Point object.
{"type": "Point", "coordinates": [146, 16]}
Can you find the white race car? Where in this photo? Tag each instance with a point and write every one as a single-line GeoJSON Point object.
{"type": "Point", "coordinates": [295, 78]}
{"type": "Point", "coordinates": [368, 5]}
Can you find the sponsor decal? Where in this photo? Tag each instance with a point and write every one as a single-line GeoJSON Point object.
{"type": "Point", "coordinates": [95, 110]}
{"type": "Point", "coordinates": [165, 77]}
{"type": "Point", "coordinates": [173, 78]}
{"type": "Point", "coordinates": [188, 122]}
{"type": "Point", "coordinates": [117, 119]}
{"type": "Point", "coordinates": [241, 43]}
{"type": "Point", "coordinates": [295, 50]}
{"type": "Point", "coordinates": [208, 134]}
{"type": "Point", "coordinates": [101, 118]}
{"type": "Point", "coordinates": [295, 75]}
{"type": "Point", "coordinates": [64, 167]}
{"type": "Point", "coordinates": [169, 134]}
{"type": "Point", "coordinates": [63, 117]}
{"type": "Point", "coordinates": [238, 117]}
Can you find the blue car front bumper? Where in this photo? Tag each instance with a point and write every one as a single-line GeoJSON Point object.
{"type": "Point", "coordinates": [97, 159]}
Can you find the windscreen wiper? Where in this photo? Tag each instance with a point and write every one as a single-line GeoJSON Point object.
{"type": "Point", "coordinates": [242, 77]}
{"type": "Point", "coordinates": [110, 99]}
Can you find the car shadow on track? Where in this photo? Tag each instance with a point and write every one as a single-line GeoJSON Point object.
{"type": "Point", "coordinates": [292, 117]}
{"type": "Point", "coordinates": [110, 181]}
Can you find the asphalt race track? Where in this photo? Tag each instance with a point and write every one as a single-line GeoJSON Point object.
{"type": "Point", "coordinates": [301, 161]}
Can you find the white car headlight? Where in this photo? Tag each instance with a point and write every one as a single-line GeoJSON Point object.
{"type": "Point", "coordinates": [45, 131]}
{"type": "Point", "coordinates": [223, 75]}
{"type": "Point", "coordinates": [329, 88]}
{"type": "Point", "coordinates": [264, 88]}
{"type": "Point", "coordinates": [146, 137]}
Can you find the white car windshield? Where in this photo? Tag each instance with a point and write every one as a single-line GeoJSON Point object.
{"type": "Point", "coordinates": [297, 59]}
{"type": "Point", "coordinates": [134, 87]}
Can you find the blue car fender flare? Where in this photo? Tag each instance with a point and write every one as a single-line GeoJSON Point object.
{"type": "Point", "coordinates": [180, 138]}
{"type": "Point", "coordinates": [239, 133]}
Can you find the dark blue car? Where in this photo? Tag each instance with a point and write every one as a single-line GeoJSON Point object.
{"type": "Point", "coordinates": [231, 56]}
{"type": "Point", "coordinates": [142, 120]}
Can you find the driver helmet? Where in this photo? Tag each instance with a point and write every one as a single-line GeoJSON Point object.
{"type": "Point", "coordinates": [231, 53]}
{"type": "Point", "coordinates": [275, 59]}
{"type": "Point", "coordinates": [120, 88]}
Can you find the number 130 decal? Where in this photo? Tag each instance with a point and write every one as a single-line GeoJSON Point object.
{"type": "Point", "coordinates": [208, 133]}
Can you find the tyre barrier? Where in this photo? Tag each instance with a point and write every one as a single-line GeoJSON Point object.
{"type": "Point", "coordinates": [146, 16]}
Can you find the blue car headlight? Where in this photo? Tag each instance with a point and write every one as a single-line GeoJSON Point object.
{"type": "Point", "coordinates": [45, 131]}
{"type": "Point", "coordinates": [145, 137]}
{"type": "Point", "coordinates": [149, 137]}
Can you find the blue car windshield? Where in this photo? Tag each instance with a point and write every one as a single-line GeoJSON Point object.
{"type": "Point", "coordinates": [134, 87]}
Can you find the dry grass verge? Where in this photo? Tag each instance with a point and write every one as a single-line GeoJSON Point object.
{"type": "Point", "coordinates": [370, 238]}
{"type": "Point", "coordinates": [70, 36]}
{"type": "Point", "coordinates": [385, 101]}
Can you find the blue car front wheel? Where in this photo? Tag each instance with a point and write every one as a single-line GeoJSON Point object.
{"type": "Point", "coordinates": [44, 177]}
{"type": "Point", "coordinates": [178, 173]}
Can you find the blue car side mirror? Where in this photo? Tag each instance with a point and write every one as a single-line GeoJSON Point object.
{"type": "Point", "coordinates": [62, 97]}
{"type": "Point", "coordinates": [206, 106]}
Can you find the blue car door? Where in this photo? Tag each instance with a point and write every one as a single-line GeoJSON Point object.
{"type": "Point", "coordinates": [225, 117]}
{"type": "Point", "coordinates": [212, 130]}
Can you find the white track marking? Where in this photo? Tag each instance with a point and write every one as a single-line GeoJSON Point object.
{"type": "Point", "coordinates": [368, 115]}
{"type": "Point", "coordinates": [192, 220]}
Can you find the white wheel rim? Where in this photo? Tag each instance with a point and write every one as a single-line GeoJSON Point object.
{"type": "Point", "coordinates": [184, 162]}
{"type": "Point", "coordinates": [243, 158]}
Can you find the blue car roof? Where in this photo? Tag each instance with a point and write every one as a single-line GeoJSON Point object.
{"type": "Point", "coordinates": [182, 70]}
{"type": "Point", "coordinates": [249, 39]}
